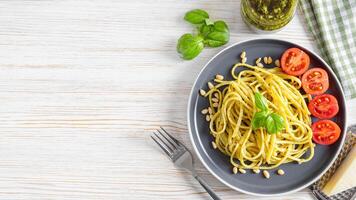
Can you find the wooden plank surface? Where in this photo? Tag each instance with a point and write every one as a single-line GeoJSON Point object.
{"type": "Point", "coordinates": [83, 83]}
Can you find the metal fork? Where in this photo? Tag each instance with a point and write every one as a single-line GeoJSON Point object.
{"type": "Point", "coordinates": [180, 156]}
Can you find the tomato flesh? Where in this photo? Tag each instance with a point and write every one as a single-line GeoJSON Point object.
{"type": "Point", "coordinates": [324, 106]}
{"type": "Point", "coordinates": [295, 62]}
{"type": "Point", "coordinates": [315, 81]}
{"type": "Point", "coordinates": [325, 132]}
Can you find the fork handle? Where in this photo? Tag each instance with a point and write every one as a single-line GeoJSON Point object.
{"type": "Point", "coordinates": [207, 188]}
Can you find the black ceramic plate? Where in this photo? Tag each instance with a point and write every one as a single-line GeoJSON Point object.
{"type": "Point", "coordinates": [297, 176]}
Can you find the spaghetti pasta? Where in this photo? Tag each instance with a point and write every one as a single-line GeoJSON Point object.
{"type": "Point", "coordinates": [232, 113]}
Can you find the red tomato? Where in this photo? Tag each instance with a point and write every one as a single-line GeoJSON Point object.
{"type": "Point", "coordinates": [324, 106]}
{"type": "Point", "coordinates": [294, 61]}
{"type": "Point", "coordinates": [315, 81]}
{"type": "Point", "coordinates": [325, 132]}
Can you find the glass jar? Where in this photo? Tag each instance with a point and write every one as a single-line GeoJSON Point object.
{"type": "Point", "coordinates": [268, 15]}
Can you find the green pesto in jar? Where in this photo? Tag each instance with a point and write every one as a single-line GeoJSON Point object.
{"type": "Point", "coordinates": [268, 15]}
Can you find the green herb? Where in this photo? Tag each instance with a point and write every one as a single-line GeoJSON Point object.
{"type": "Point", "coordinates": [259, 120]}
{"type": "Point", "coordinates": [190, 46]}
{"type": "Point", "coordinates": [273, 122]}
{"type": "Point", "coordinates": [218, 34]}
{"type": "Point", "coordinates": [210, 33]}
{"type": "Point", "coordinates": [196, 16]}
{"type": "Point", "coordinates": [261, 101]}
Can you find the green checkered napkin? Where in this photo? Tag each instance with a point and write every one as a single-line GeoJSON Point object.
{"type": "Point", "coordinates": [333, 25]}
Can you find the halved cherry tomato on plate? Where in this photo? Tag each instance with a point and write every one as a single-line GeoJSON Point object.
{"type": "Point", "coordinates": [295, 62]}
{"type": "Point", "coordinates": [324, 106]}
{"type": "Point", "coordinates": [325, 132]}
{"type": "Point", "coordinates": [315, 81]}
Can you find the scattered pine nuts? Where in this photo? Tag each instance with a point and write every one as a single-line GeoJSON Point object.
{"type": "Point", "coordinates": [266, 174]}
{"type": "Point", "coordinates": [210, 85]}
{"type": "Point", "coordinates": [215, 105]}
{"type": "Point", "coordinates": [204, 111]}
{"type": "Point", "coordinates": [270, 61]}
{"type": "Point", "coordinates": [242, 171]}
{"type": "Point", "coordinates": [207, 118]}
{"type": "Point", "coordinates": [202, 92]}
{"type": "Point", "coordinates": [276, 62]}
{"type": "Point", "coordinates": [214, 145]}
{"type": "Point", "coordinates": [244, 60]}
{"type": "Point", "coordinates": [259, 65]}
{"type": "Point", "coordinates": [258, 60]}
{"type": "Point", "coordinates": [280, 172]}
{"type": "Point", "coordinates": [216, 95]}
{"type": "Point", "coordinates": [265, 60]}
{"type": "Point", "coordinates": [219, 77]}
{"type": "Point", "coordinates": [243, 54]}
{"type": "Point", "coordinates": [210, 111]}
{"type": "Point", "coordinates": [215, 100]}
{"type": "Point", "coordinates": [234, 170]}
{"type": "Point", "coordinates": [256, 171]}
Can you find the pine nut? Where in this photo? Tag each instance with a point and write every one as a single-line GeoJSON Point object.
{"type": "Point", "coordinates": [219, 77]}
{"type": "Point", "coordinates": [210, 111]}
{"type": "Point", "coordinates": [234, 170]}
{"type": "Point", "coordinates": [204, 111]}
{"type": "Point", "coordinates": [270, 60]}
{"type": "Point", "coordinates": [215, 100]}
{"type": "Point", "coordinates": [210, 85]}
{"type": "Point", "coordinates": [276, 62]}
{"type": "Point", "coordinates": [259, 65]}
{"type": "Point", "coordinates": [258, 60]}
{"type": "Point", "coordinates": [242, 171]}
{"type": "Point", "coordinates": [216, 95]}
{"type": "Point", "coordinates": [215, 105]}
{"type": "Point", "coordinates": [202, 92]}
{"type": "Point", "coordinates": [256, 171]}
{"type": "Point", "coordinates": [266, 174]}
{"type": "Point", "coordinates": [244, 60]}
{"type": "Point", "coordinates": [243, 55]}
{"type": "Point", "coordinates": [207, 118]}
{"type": "Point", "coordinates": [280, 172]}
{"type": "Point", "coordinates": [265, 60]}
{"type": "Point", "coordinates": [214, 145]}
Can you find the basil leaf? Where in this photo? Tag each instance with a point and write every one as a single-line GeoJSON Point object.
{"type": "Point", "coordinates": [261, 101]}
{"type": "Point", "coordinates": [208, 22]}
{"type": "Point", "coordinates": [259, 119]}
{"type": "Point", "coordinates": [274, 123]}
{"type": "Point", "coordinates": [190, 46]}
{"type": "Point", "coordinates": [205, 29]}
{"type": "Point", "coordinates": [218, 35]}
{"type": "Point", "coordinates": [196, 16]}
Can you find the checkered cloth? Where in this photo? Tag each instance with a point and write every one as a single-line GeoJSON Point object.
{"type": "Point", "coordinates": [333, 25]}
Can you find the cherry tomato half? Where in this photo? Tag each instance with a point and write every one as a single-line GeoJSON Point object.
{"type": "Point", "coordinates": [315, 81]}
{"type": "Point", "coordinates": [325, 132]}
{"type": "Point", "coordinates": [294, 61]}
{"type": "Point", "coordinates": [324, 106]}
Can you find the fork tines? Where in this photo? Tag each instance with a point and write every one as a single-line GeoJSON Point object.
{"type": "Point", "coordinates": [168, 144]}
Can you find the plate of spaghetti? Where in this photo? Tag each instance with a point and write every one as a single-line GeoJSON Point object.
{"type": "Point", "coordinates": [267, 117]}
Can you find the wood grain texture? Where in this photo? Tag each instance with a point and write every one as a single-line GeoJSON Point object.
{"type": "Point", "coordinates": [83, 83]}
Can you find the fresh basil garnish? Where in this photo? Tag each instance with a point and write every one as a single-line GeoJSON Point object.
{"type": "Point", "coordinates": [190, 46]}
{"type": "Point", "coordinates": [259, 120]}
{"type": "Point", "coordinates": [218, 35]}
{"type": "Point", "coordinates": [261, 101]}
{"type": "Point", "coordinates": [196, 16]}
{"type": "Point", "coordinates": [273, 122]}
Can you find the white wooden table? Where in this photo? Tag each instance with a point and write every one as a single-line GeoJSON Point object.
{"type": "Point", "coordinates": [84, 83]}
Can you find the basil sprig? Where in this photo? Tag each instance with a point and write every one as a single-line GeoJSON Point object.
{"type": "Point", "coordinates": [189, 46]}
{"type": "Point", "coordinates": [210, 34]}
{"type": "Point", "coordinates": [265, 118]}
{"type": "Point", "coordinates": [196, 16]}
